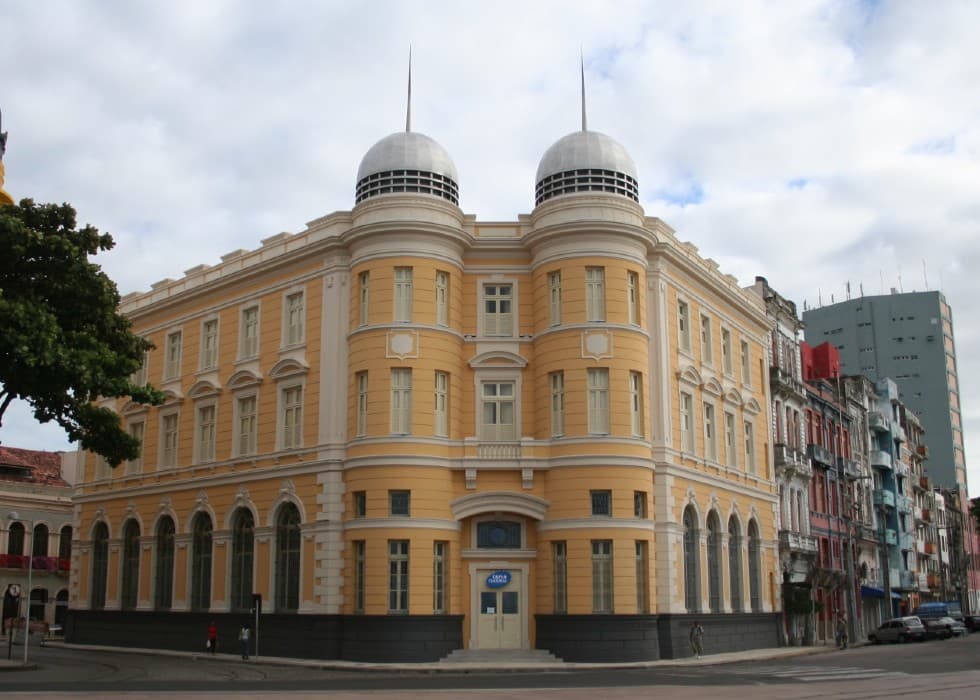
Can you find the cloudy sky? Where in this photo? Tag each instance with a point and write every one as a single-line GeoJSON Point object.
{"type": "Point", "coordinates": [811, 142]}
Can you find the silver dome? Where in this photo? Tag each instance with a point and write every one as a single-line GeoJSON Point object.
{"type": "Point", "coordinates": [586, 161]}
{"type": "Point", "coordinates": [406, 150]}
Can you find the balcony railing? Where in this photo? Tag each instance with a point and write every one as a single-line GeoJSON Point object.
{"type": "Point", "coordinates": [923, 451]}
{"type": "Point", "coordinates": [904, 504]}
{"type": "Point", "coordinates": [926, 515]}
{"type": "Point", "coordinates": [883, 497]}
{"type": "Point", "coordinates": [821, 455]}
{"type": "Point", "coordinates": [878, 422]}
{"type": "Point", "coordinates": [924, 483]}
{"type": "Point", "coordinates": [929, 548]}
{"type": "Point", "coordinates": [935, 580]}
{"type": "Point", "coordinates": [923, 582]}
{"type": "Point", "coordinates": [906, 541]}
{"type": "Point", "coordinates": [49, 564]}
{"type": "Point", "coordinates": [795, 542]}
{"type": "Point", "coordinates": [880, 458]}
{"type": "Point", "coordinates": [891, 537]}
{"type": "Point", "coordinates": [790, 459]}
{"type": "Point", "coordinates": [866, 532]}
{"type": "Point", "coordinates": [851, 467]}
{"type": "Point", "coordinates": [784, 382]}
{"type": "Point", "coordinates": [908, 581]}
{"type": "Point", "coordinates": [898, 432]}
{"type": "Point", "coordinates": [499, 450]}
{"type": "Point", "coordinates": [901, 468]}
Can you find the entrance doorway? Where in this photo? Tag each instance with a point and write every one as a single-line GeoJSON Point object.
{"type": "Point", "coordinates": [500, 612]}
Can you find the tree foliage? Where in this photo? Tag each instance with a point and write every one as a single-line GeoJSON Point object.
{"type": "Point", "coordinates": [63, 343]}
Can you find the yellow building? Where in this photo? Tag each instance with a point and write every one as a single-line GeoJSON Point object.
{"type": "Point", "coordinates": [411, 432]}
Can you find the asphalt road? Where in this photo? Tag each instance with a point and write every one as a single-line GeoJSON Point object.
{"type": "Point", "coordinates": [937, 669]}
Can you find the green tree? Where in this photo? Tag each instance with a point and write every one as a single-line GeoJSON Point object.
{"type": "Point", "coordinates": [63, 343]}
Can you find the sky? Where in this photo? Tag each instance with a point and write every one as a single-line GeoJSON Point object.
{"type": "Point", "coordinates": [812, 142]}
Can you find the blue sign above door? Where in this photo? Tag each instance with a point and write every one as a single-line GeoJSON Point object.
{"type": "Point", "coordinates": [498, 579]}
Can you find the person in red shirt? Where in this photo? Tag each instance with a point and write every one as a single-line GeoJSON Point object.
{"type": "Point", "coordinates": [212, 637]}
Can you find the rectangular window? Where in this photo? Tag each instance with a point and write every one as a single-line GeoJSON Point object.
{"type": "Point", "coordinates": [399, 502]}
{"type": "Point", "coordinates": [710, 430]}
{"type": "Point", "coordinates": [633, 297]}
{"type": "Point", "coordinates": [602, 595]}
{"type": "Point", "coordinates": [497, 422]}
{"type": "Point", "coordinates": [440, 576]}
{"type": "Point", "coordinates": [136, 430]}
{"type": "Point", "coordinates": [248, 340]}
{"type": "Point", "coordinates": [442, 298]}
{"type": "Point", "coordinates": [403, 294]}
{"type": "Point", "coordinates": [205, 433]}
{"type": "Point", "coordinates": [359, 560]}
{"type": "Point", "coordinates": [636, 403]}
{"type": "Point", "coordinates": [599, 400]}
{"type": "Point", "coordinates": [731, 454]}
{"type": "Point", "coordinates": [362, 403]}
{"type": "Point", "coordinates": [172, 363]}
{"type": "Point", "coordinates": [749, 448]}
{"type": "Point", "coordinates": [295, 318]}
{"type": "Point", "coordinates": [554, 297]}
{"type": "Point", "coordinates": [398, 576]}
{"type": "Point", "coordinates": [401, 401]}
{"type": "Point", "coordinates": [498, 310]}
{"type": "Point", "coordinates": [140, 377]}
{"type": "Point", "coordinates": [683, 325]}
{"type": "Point", "coordinates": [744, 348]}
{"type": "Point", "coordinates": [559, 576]}
{"type": "Point", "coordinates": [440, 409]}
{"type": "Point", "coordinates": [360, 504]}
{"type": "Point", "coordinates": [557, 381]}
{"type": "Point", "coordinates": [601, 502]}
{"type": "Point", "coordinates": [727, 362]}
{"type": "Point", "coordinates": [640, 504]}
{"type": "Point", "coordinates": [642, 577]}
{"type": "Point", "coordinates": [595, 294]}
{"type": "Point", "coordinates": [168, 442]}
{"type": "Point", "coordinates": [209, 344]}
{"type": "Point", "coordinates": [364, 292]}
{"type": "Point", "coordinates": [247, 425]}
{"type": "Point", "coordinates": [292, 417]}
{"type": "Point", "coordinates": [687, 422]}
{"type": "Point", "coordinates": [706, 349]}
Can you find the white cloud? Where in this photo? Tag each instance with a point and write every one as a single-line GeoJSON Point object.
{"type": "Point", "coordinates": [813, 142]}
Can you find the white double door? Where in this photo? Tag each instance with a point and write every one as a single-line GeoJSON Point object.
{"type": "Point", "coordinates": [500, 612]}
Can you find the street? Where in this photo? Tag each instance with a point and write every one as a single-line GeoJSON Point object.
{"type": "Point", "coordinates": [938, 669]}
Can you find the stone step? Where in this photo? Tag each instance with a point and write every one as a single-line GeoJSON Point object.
{"type": "Point", "coordinates": [499, 656]}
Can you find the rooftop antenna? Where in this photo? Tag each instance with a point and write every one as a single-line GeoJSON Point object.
{"type": "Point", "coordinates": [900, 288]}
{"type": "Point", "coordinates": [925, 275]}
{"type": "Point", "coordinates": [408, 109]}
{"type": "Point", "coordinates": [582, 58]}
{"type": "Point", "coordinates": [881, 277]}
{"type": "Point", "coordinates": [861, 287]}
{"type": "Point", "coordinates": [848, 287]}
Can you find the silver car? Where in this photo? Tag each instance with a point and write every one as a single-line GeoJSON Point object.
{"type": "Point", "coordinates": [900, 629]}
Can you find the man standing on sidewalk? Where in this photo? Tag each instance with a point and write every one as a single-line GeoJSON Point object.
{"type": "Point", "coordinates": [697, 639]}
{"type": "Point", "coordinates": [243, 636]}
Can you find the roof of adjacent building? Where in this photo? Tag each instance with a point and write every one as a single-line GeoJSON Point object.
{"type": "Point", "coordinates": [32, 466]}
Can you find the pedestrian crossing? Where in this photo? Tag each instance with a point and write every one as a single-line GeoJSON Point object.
{"type": "Point", "coordinates": [810, 674]}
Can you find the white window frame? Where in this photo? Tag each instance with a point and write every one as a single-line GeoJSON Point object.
{"type": "Point", "coordinates": [141, 376]}
{"type": "Point", "coordinates": [205, 431]}
{"type": "Point", "coordinates": [710, 431]}
{"type": "Point", "coordinates": [294, 317]}
{"type": "Point", "coordinates": [636, 403]}
{"type": "Point", "coordinates": [210, 337]}
{"type": "Point", "coordinates": [687, 422]}
{"type": "Point", "coordinates": [136, 429]}
{"type": "Point", "coordinates": [554, 297]}
{"type": "Point", "coordinates": [731, 443]}
{"type": "Point", "coordinates": [401, 400]}
{"type": "Point", "coordinates": [291, 403]}
{"type": "Point", "coordinates": [746, 362]}
{"type": "Point", "coordinates": [361, 381]}
{"type": "Point", "coordinates": [403, 290]}
{"type": "Point", "coordinates": [440, 408]}
{"type": "Point", "coordinates": [399, 568]}
{"type": "Point", "coordinates": [364, 296]}
{"type": "Point", "coordinates": [440, 577]}
{"type": "Point", "coordinates": [595, 294]}
{"type": "Point", "coordinates": [498, 431]}
{"type": "Point", "coordinates": [598, 400]}
{"type": "Point", "coordinates": [727, 361]}
{"type": "Point", "coordinates": [169, 439]}
{"type": "Point", "coordinates": [633, 297]}
{"type": "Point", "coordinates": [749, 435]}
{"type": "Point", "coordinates": [442, 298]}
{"type": "Point", "coordinates": [246, 425]}
{"type": "Point", "coordinates": [248, 333]}
{"type": "Point", "coordinates": [684, 325]}
{"type": "Point", "coordinates": [556, 381]}
{"type": "Point", "coordinates": [602, 576]}
{"type": "Point", "coordinates": [498, 323]}
{"type": "Point", "coordinates": [704, 330]}
{"type": "Point", "coordinates": [174, 350]}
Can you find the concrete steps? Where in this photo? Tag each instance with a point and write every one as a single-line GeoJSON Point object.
{"type": "Point", "coordinates": [502, 656]}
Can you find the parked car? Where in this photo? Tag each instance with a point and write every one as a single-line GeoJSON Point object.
{"type": "Point", "coordinates": [954, 626]}
{"type": "Point", "coordinates": [938, 627]}
{"type": "Point", "coordinates": [900, 629]}
{"type": "Point", "coordinates": [972, 622]}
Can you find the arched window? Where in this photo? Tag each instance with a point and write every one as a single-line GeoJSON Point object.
{"type": "Point", "coordinates": [39, 546]}
{"type": "Point", "coordinates": [64, 543]}
{"type": "Point", "coordinates": [755, 584]}
{"type": "Point", "coordinates": [130, 565]}
{"type": "Point", "coordinates": [15, 539]}
{"type": "Point", "coordinates": [735, 564]}
{"type": "Point", "coordinates": [242, 556]}
{"type": "Point", "coordinates": [100, 565]}
{"type": "Point", "coordinates": [201, 562]}
{"type": "Point", "coordinates": [714, 563]}
{"type": "Point", "coordinates": [163, 589]}
{"type": "Point", "coordinates": [287, 558]}
{"type": "Point", "coordinates": [39, 598]}
{"type": "Point", "coordinates": [692, 574]}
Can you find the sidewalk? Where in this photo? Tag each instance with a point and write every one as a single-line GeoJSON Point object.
{"type": "Point", "coordinates": [509, 665]}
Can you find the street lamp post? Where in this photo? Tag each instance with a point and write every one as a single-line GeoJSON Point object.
{"type": "Point", "coordinates": [30, 568]}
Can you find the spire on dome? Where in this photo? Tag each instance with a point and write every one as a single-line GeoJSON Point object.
{"type": "Point", "coordinates": [408, 109]}
{"type": "Point", "coordinates": [582, 57]}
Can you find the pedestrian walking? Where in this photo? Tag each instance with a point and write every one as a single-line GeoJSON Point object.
{"type": "Point", "coordinates": [841, 632]}
{"type": "Point", "coordinates": [697, 639]}
{"type": "Point", "coordinates": [212, 638]}
{"type": "Point", "coordinates": [243, 634]}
